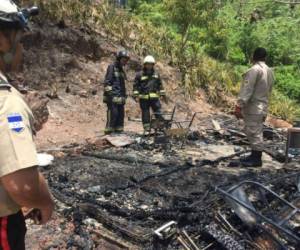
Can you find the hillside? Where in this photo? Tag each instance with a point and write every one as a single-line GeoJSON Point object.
{"type": "Point", "coordinates": [72, 38]}
{"type": "Point", "coordinates": [114, 198]}
{"type": "Point", "coordinates": [69, 70]}
{"type": "Point", "coordinates": [210, 46]}
{"type": "Point", "coordinates": [228, 32]}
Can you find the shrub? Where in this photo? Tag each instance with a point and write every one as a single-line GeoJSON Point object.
{"type": "Point", "coordinates": [283, 107]}
{"type": "Point", "coordinates": [288, 81]}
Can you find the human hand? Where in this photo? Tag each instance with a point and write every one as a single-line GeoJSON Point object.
{"type": "Point", "coordinates": [46, 214]}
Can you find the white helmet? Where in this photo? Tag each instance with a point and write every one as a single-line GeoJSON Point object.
{"type": "Point", "coordinates": [13, 17]}
{"type": "Point", "coordinates": [8, 6]}
{"type": "Point", "coordinates": [149, 59]}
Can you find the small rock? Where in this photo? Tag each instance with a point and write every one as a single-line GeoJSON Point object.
{"type": "Point", "coordinates": [93, 91]}
{"type": "Point", "coordinates": [95, 189]}
{"type": "Point", "coordinates": [144, 207]}
{"type": "Point", "coordinates": [83, 94]}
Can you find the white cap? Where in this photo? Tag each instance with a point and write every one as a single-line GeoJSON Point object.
{"type": "Point", "coordinates": [149, 59]}
{"type": "Point", "coordinates": [8, 6]}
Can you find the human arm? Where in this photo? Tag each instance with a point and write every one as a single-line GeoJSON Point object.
{"type": "Point", "coordinates": [247, 87]}
{"type": "Point", "coordinates": [136, 86]}
{"type": "Point", "coordinates": [19, 175]}
{"type": "Point", "coordinates": [162, 91]}
{"type": "Point", "coordinates": [28, 188]}
{"type": "Point", "coordinates": [109, 79]}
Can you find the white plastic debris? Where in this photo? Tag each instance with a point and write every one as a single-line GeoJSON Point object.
{"type": "Point", "coordinates": [45, 159]}
{"type": "Point", "coordinates": [119, 140]}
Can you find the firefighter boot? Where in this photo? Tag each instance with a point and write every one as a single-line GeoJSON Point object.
{"type": "Point", "coordinates": [253, 160]}
{"type": "Point", "coordinates": [108, 131]}
{"type": "Point", "coordinates": [119, 130]}
{"type": "Point", "coordinates": [147, 129]}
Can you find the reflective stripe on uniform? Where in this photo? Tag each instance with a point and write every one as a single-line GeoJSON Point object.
{"type": "Point", "coordinates": [143, 78]}
{"type": "Point", "coordinates": [118, 74]}
{"type": "Point", "coordinates": [135, 93]}
{"type": "Point", "coordinates": [162, 92]}
{"type": "Point", "coordinates": [108, 131]}
{"type": "Point", "coordinates": [146, 126]}
{"type": "Point", "coordinates": [144, 97]}
{"type": "Point", "coordinates": [119, 100]}
{"type": "Point", "coordinates": [149, 96]}
{"type": "Point", "coordinates": [4, 234]}
{"type": "Point", "coordinates": [119, 129]}
{"type": "Point", "coordinates": [153, 95]}
{"type": "Point", "coordinates": [108, 88]}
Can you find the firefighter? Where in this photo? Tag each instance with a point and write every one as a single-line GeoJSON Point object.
{"type": "Point", "coordinates": [115, 93]}
{"type": "Point", "coordinates": [148, 89]}
{"type": "Point", "coordinates": [21, 183]}
{"type": "Point", "coordinates": [253, 104]}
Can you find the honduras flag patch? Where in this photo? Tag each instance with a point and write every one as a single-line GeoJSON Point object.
{"type": "Point", "coordinates": [15, 122]}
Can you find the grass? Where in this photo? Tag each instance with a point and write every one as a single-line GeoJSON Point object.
{"type": "Point", "coordinates": [219, 80]}
{"type": "Point", "coordinates": [283, 107]}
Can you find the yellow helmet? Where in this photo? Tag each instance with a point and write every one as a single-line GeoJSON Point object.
{"type": "Point", "coordinates": [149, 59]}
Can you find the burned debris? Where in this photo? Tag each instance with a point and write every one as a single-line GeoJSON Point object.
{"type": "Point", "coordinates": [259, 208]}
{"type": "Point", "coordinates": [171, 195]}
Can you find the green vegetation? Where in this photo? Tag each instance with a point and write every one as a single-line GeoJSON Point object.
{"type": "Point", "coordinates": [228, 32]}
{"type": "Point", "coordinates": [284, 107]}
{"type": "Point", "coordinates": [211, 42]}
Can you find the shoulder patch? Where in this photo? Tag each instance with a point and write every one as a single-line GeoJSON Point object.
{"type": "Point", "coordinates": [15, 122]}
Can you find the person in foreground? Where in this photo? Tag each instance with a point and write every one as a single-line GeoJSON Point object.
{"type": "Point", "coordinates": [21, 184]}
{"type": "Point", "coordinates": [252, 105]}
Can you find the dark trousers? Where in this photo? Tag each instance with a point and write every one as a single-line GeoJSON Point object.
{"type": "Point", "coordinates": [115, 117]}
{"type": "Point", "coordinates": [12, 232]}
{"type": "Point", "coordinates": [145, 105]}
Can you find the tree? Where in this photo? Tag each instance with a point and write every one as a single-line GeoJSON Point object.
{"type": "Point", "coordinates": [186, 15]}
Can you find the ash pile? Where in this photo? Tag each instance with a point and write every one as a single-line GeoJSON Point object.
{"type": "Point", "coordinates": [180, 191]}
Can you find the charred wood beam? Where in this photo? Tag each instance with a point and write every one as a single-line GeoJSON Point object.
{"type": "Point", "coordinates": [134, 215]}
{"type": "Point", "coordinates": [111, 239]}
{"type": "Point", "coordinates": [117, 157]}
{"type": "Point", "coordinates": [96, 213]}
{"type": "Point", "coordinates": [154, 191]}
{"type": "Point", "coordinates": [181, 168]}
{"type": "Point", "coordinates": [129, 159]}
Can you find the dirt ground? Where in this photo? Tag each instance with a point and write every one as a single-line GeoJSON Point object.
{"type": "Point", "coordinates": [70, 70]}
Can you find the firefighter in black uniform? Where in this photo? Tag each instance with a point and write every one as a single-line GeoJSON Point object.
{"type": "Point", "coordinates": [148, 88]}
{"type": "Point", "coordinates": [115, 93]}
